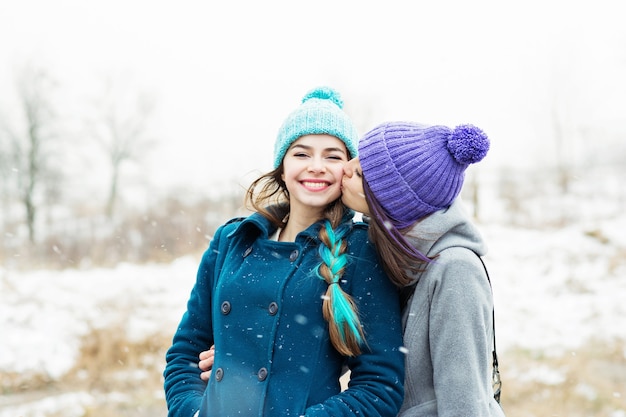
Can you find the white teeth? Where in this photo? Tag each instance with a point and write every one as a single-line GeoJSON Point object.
{"type": "Point", "coordinates": [314, 184]}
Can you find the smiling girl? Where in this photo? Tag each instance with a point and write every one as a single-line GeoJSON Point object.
{"type": "Point", "coordinates": [293, 294]}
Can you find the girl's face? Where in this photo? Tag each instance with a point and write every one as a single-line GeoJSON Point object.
{"type": "Point", "coordinates": [312, 171]}
{"type": "Point", "coordinates": [352, 187]}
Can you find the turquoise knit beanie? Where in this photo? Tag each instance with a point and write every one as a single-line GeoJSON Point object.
{"type": "Point", "coordinates": [320, 113]}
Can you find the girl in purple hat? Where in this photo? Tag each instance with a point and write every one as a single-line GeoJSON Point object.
{"type": "Point", "coordinates": [406, 180]}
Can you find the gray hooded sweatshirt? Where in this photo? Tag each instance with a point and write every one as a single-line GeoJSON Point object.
{"type": "Point", "coordinates": [448, 322]}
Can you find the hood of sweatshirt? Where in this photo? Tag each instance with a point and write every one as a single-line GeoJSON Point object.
{"type": "Point", "coordinates": [451, 227]}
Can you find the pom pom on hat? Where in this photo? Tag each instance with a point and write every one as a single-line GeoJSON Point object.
{"type": "Point", "coordinates": [321, 112]}
{"type": "Point", "coordinates": [468, 144]}
{"type": "Point", "coordinates": [414, 170]}
{"type": "Point", "coordinates": [324, 93]}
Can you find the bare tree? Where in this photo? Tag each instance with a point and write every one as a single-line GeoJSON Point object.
{"type": "Point", "coordinates": [5, 188]}
{"type": "Point", "coordinates": [27, 149]}
{"type": "Point", "coordinates": [562, 143]}
{"type": "Point", "coordinates": [120, 126]}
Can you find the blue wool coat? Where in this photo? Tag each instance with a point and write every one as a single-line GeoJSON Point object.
{"type": "Point", "coordinates": [260, 302]}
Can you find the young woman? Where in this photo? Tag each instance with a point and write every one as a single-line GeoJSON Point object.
{"type": "Point", "coordinates": [407, 179]}
{"type": "Point", "coordinates": [293, 294]}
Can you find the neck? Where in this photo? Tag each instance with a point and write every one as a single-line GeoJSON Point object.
{"type": "Point", "coordinates": [299, 220]}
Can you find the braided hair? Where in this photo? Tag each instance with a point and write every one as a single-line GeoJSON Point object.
{"type": "Point", "coordinates": [400, 259]}
{"type": "Point", "coordinates": [339, 309]}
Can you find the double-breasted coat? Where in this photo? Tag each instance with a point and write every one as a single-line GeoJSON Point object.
{"type": "Point", "coordinates": [259, 302]}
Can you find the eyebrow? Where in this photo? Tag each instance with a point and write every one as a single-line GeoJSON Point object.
{"type": "Point", "coordinates": [325, 150]}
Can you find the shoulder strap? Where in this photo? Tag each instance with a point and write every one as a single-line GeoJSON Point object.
{"type": "Point", "coordinates": [495, 376]}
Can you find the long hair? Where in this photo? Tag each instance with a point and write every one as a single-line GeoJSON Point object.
{"type": "Point", "coordinates": [268, 192]}
{"type": "Point", "coordinates": [340, 310]}
{"type": "Point", "coordinates": [269, 196]}
{"type": "Point", "coordinates": [399, 257]}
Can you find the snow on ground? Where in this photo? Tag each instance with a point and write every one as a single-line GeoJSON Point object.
{"type": "Point", "coordinates": [48, 311]}
{"type": "Point", "coordinates": [553, 290]}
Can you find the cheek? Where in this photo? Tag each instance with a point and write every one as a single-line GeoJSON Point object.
{"type": "Point", "coordinates": [338, 172]}
{"type": "Point", "coordinates": [353, 185]}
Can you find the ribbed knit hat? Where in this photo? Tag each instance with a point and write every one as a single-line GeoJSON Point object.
{"type": "Point", "coordinates": [320, 113]}
{"type": "Point", "coordinates": [414, 170]}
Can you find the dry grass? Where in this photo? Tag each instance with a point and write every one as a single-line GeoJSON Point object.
{"type": "Point", "coordinates": [590, 381]}
{"type": "Point", "coordinates": [125, 377]}
{"type": "Point", "coordinates": [126, 374]}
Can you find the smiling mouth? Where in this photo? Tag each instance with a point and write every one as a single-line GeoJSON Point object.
{"type": "Point", "coordinates": [315, 185]}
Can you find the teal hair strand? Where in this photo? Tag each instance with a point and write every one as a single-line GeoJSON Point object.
{"type": "Point", "coordinates": [344, 316]}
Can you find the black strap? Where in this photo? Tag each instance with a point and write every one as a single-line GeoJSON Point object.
{"type": "Point", "coordinates": [495, 376]}
{"type": "Point", "coordinates": [405, 294]}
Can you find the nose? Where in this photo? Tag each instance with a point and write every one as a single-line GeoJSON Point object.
{"type": "Point", "coordinates": [316, 165]}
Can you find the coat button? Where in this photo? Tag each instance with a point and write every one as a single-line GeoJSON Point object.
{"type": "Point", "coordinates": [293, 256]}
{"type": "Point", "coordinates": [273, 308]}
{"type": "Point", "coordinates": [247, 252]}
{"type": "Point", "coordinates": [219, 374]}
{"type": "Point", "coordinates": [262, 374]}
{"type": "Point", "coordinates": [225, 307]}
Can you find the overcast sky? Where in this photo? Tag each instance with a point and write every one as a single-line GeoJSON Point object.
{"type": "Point", "coordinates": [224, 74]}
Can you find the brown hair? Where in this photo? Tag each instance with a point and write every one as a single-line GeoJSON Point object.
{"type": "Point", "coordinates": [400, 259]}
{"type": "Point", "coordinates": [269, 196]}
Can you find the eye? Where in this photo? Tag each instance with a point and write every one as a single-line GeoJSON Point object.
{"type": "Point", "coordinates": [300, 155]}
{"type": "Point", "coordinates": [336, 156]}
{"type": "Point", "coordinates": [358, 173]}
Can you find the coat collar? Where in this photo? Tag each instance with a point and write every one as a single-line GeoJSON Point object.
{"type": "Point", "coordinates": [262, 225]}
{"type": "Point", "coordinates": [265, 229]}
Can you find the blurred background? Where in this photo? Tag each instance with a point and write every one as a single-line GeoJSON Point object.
{"type": "Point", "coordinates": [130, 129]}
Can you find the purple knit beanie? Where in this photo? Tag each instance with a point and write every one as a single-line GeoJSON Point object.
{"type": "Point", "coordinates": [414, 170]}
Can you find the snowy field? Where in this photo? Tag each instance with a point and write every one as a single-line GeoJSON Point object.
{"type": "Point", "coordinates": [554, 290]}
